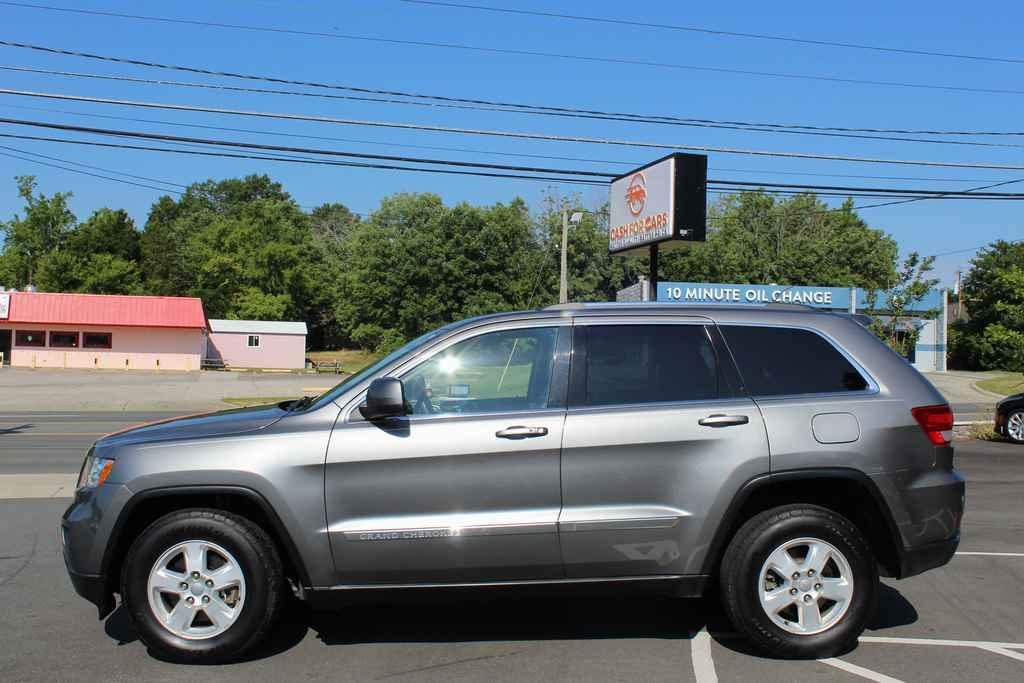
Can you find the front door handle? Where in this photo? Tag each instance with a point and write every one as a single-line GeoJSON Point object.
{"type": "Point", "coordinates": [720, 420]}
{"type": "Point", "coordinates": [520, 432]}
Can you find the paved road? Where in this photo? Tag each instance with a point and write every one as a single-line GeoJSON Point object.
{"type": "Point", "coordinates": [50, 634]}
{"type": "Point", "coordinates": [140, 390]}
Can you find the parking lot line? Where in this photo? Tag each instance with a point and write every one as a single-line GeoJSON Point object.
{"type": "Point", "coordinates": [859, 671]}
{"type": "Point", "coordinates": [983, 644]}
{"type": "Point", "coordinates": [700, 653]}
{"type": "Point", "coordinates": [1004, 652]}
{"type": "Point", "coordinates": [979, 554]}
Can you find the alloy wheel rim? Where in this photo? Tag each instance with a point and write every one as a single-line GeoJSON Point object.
{"type": "Point", "coordinates": [196, 589]}
{"type": "Point", "coordinates": [1015, 426]}
{"type": "Point", "coordinates": [805, 586]}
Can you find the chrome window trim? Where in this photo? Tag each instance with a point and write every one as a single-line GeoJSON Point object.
{"type": "Point", "coordinates": [660, 405]}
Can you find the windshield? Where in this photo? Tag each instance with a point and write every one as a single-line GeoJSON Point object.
{"type": "Point", "coordinates": [376, 366]}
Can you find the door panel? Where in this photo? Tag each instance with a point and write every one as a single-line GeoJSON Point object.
{"type": "Point", "coordinates": [466, 488]}
{"type": "Point", "coordinates": [657, 441]}
{"type": "Point", "coordinates": [644, 487]}
{"type": "Point", "coordinates": [445, 500]}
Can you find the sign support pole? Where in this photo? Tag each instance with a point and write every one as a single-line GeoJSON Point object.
{"type": "Point", "coordinates": [654, 272]}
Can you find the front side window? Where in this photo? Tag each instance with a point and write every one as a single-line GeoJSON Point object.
{"type": "Point", "coordinates": [64, 340]}
{"type": "Point", "coordinates": [96, 340]}
{"type": "Point", "coordinates": [29, 338]}
{"type": "Point", "coordinates": [254, 341]}
{"type": "Point", "coordinates": [780, 361]}
{"type": "Point", "coordinates": [495, 372]}
{"type": "Point", "coordinates": [629, 364]}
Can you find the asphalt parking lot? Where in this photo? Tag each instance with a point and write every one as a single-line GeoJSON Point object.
{"type": "Point", "coordinates": [962, 622]}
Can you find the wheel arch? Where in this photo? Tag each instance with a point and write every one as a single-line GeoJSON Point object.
{"type": "Point", "coordinates": [846, 491]}
{"type": "Point", "coordinates": [146, 507]}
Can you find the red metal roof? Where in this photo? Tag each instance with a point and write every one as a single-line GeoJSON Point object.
{"type": "Point", "coordinates": [44, 308]}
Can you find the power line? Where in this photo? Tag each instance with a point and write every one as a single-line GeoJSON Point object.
{"type": "Point", "coordinates": [95, 168]}
{"type": "Point", "coordinates": [826, 190]}
{"type": "Point", "coordinates": [717, 32]}
{"type": "Point", "coordinates": [492, 103]}
{"type": "Point", "coordinates": [319, 162]}
{"type": "Point", "coordinates": [94, 175]}
{"type": "Point", "coordinates": [473, 107]}
{"type": "Point", "coordinates": [505, 134]}
{"type": "Point", "coordinates": [522, 53]}
{"type": "Point", "coordinates": [470, 150]}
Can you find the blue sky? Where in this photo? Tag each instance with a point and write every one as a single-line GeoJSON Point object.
{"type": "Point", "coordinates": [927, 226]}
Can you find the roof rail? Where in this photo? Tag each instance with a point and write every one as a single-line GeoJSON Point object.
{"type": "Point", "coordinates": [789, 306]}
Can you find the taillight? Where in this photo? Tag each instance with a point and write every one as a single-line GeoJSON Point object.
{"type": "Point", "coordinates": [936, 421]}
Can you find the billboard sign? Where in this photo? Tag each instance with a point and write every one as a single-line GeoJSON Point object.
{"type": "Point", "coordinates": [717, 293]}
{"type": "Point", "coordinates": [5, 305]}
{"type": "Point", "coordinates": [663, 201]}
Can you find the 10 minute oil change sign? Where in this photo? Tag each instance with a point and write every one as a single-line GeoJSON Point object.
{"type": "Point", "coordinates": [660, 202]}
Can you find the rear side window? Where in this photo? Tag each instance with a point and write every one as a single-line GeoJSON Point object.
{"type": "Point", "coordinates": [648, 364]}
{"type": "Point", "coordinates": [778, 361]}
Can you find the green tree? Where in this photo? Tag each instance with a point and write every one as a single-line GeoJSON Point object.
{"type": "Point", "coordinates": [416, 264]}
{"type": "Point", "coordinates": [911, 286]}
{"type": "Point", "coordinates": [758, 239]}
{"type": "Point", "coordinates": [29, 238]}
{"type": "Point", "coordinates": [592, 273]}
{"type": "Point", "coordinates": [993, 291]}
{"type": "Point", "coordinates": [246, 248]}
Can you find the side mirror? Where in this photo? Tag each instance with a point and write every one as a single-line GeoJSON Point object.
{"type": "Point", "coordinates": [385, 398]}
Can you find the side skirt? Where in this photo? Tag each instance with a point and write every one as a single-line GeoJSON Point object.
{"type": "Point", "coordinates": [331, 597]}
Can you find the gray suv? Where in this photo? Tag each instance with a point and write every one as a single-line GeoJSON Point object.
{"type": "Point", "coordinates": [784, 455]}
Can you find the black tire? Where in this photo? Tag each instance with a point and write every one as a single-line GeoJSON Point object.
{"type": "Point", "coordinates": [1006, 426]}
{"type": "Point", "coordinates": [255, 553]}
{"type": "Point", "coordinates": [741, 581]}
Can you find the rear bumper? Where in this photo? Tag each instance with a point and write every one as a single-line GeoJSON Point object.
{"type": "Point", "coordinates": [914, 561]}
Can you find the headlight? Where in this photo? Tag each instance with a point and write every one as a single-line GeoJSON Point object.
{"type": "Point", "coordinates": [94, 471]}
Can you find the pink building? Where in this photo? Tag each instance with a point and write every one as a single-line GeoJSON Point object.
{"type": "Point", "coordinates": [47, 330]}
{"type": "Point", "coordinates": [257, 344]}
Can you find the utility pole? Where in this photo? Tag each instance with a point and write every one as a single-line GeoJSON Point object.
{"type": "Point", "coordinates": [563, 285]}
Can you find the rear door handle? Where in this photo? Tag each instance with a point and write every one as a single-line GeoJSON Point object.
{"type": "Point", "coordinates": [521, 432]}
{"type": "Point", "coordinates": [720, 420]}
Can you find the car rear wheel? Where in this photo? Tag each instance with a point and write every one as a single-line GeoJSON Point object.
{"type": "Point", "coordinates": [1015, 426]}
{"type": "Point", "coordinates": [202, 585]}
{"type": "Point", "coordinates": [800, 581]}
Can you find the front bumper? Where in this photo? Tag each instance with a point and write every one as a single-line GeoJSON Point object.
{"type": "Point", "coordinates": [85, 529]}
{"type": "Point", "coordinates": [93, 587]}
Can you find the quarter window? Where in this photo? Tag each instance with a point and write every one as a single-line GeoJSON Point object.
{"type": "Point", "coordinates": [492, 373]}
{"type": "Point", "coordinates": [254, 341]}
{"type": "Point", "coordinates": [778, 361]}
{"type": "Point", "coordinates": [64, 340]}
{"type": "Point", "coordinates": [649, 364]}
{"type": "Point", "coordinates": [96, 340]}
{"type": "Point", "coordinates": [29, 338]}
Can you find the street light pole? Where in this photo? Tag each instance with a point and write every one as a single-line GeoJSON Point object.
{"type": "Point", "coordinates": [563, 282]}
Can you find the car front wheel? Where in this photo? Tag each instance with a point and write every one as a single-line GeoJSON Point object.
{"type": "Point", "coordinates": [1015, 426]}
{"type": "Point", "coordinates": [800, 581]}
{"type": "Point", "coordinates": [202, 585]}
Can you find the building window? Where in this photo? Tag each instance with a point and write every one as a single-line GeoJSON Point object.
{"type": "Point", "coordinates": [64, 340]}
{"type": "Point", "coordinates": [96, 340]}
{"type": "Point", "coordinates": [254, 341]}
{"type": "Point", "coordinates": [29, 338]}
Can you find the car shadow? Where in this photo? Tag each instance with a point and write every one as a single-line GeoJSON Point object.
{"type": "Point", "coordinates": [464, 618]}
{"type": "Point", "coordinates": [893, 610]}
{"type": "Point", "coordinates": [454, 618]}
